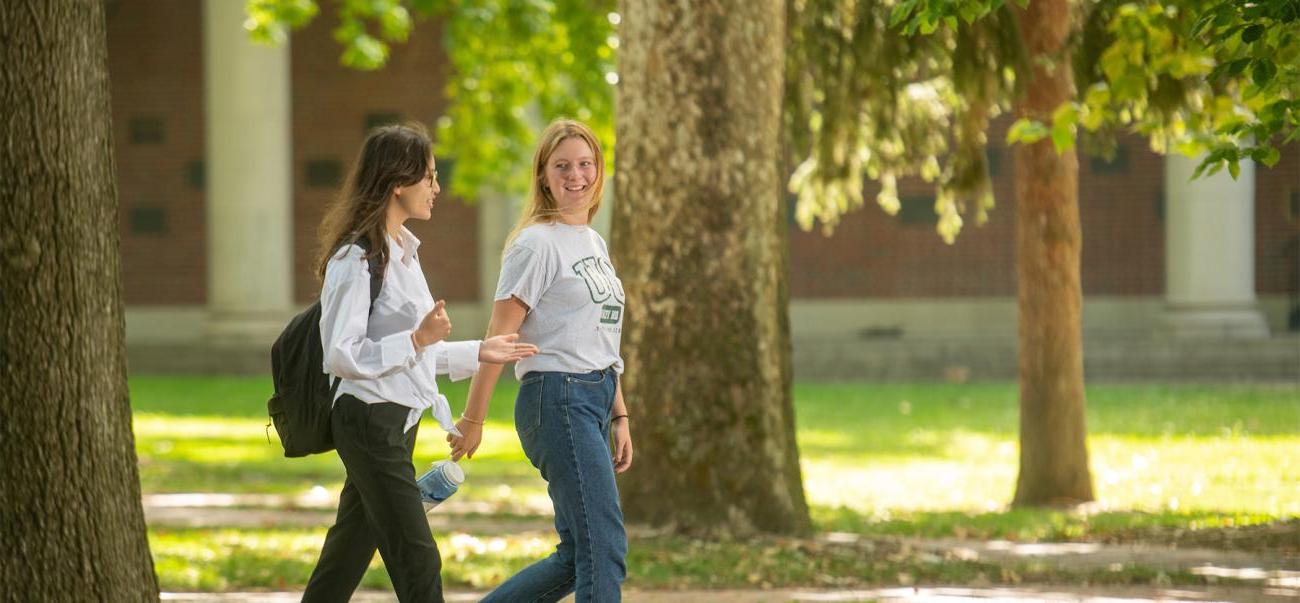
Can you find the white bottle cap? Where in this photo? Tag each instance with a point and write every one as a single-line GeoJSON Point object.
{"type": "Point", "coordinates": [454, 473]}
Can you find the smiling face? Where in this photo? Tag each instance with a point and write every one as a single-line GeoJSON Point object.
{"type": "Point", "coordinates": [571, 176]}
{"type": "Point", "coordinates": [416, 200]}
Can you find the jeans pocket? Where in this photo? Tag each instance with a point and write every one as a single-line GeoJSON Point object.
{"type": "Point", "coordinates": [590, 398]}
{"type": "Point", "coordinates": [586, 379]}
{"type": "Point", "coordinates": [528, 407]}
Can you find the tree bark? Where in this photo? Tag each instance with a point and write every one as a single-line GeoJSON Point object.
{"type": "Point", "coordinates": [73, 526]}
{"type": "Point", "coordinates": [1053, 447]}
{"type": "Point", "coordinates": [698, 240]}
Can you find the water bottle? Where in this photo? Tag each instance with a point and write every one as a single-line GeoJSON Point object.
{"type": "Point", "coordinates": [439, 483]}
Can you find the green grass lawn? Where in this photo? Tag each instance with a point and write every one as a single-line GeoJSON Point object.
{"type": "Point", "coordinates": [936, 460]}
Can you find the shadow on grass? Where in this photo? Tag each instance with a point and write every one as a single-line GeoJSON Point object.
{"type": "Point", "coordinates": [1033, 525]}
{"type": "Point", "coordinates": [205, 559]}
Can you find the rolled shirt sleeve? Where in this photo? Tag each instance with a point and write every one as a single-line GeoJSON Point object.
{"type": "Point", "coordinates": [456, 359]}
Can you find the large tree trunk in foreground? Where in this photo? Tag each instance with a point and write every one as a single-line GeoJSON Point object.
{"type": "Point", "coordinates": [698, 246]}
{"type": "Point", "coordinates": [73, 526]}
{"type": "Point", "coordinates": [1053, 447]}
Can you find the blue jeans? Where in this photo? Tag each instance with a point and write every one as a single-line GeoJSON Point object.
{"type": "Point", "coordinates": [563, 423]}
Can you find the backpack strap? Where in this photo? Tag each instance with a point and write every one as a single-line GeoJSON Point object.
{"type": "Point", "coordinates": [376, 280]}
{"type": "Point", "coordinates": [376, 271]}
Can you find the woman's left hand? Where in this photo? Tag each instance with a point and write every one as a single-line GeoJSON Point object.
{"type": "Point", "coordinates": [622, 445]}
{"type": "Point", "coordinates": [504, 348]}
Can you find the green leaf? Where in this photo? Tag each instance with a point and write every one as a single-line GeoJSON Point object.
{"type": "Point", "coordinates": [1230, 69]}
{"type": "Point", "coordinates": [1263, 72]}
{"type": "Point", "coordinates": [1064, 120]}
{"type": "Point", "coordinates": [1200, 169]}
{"type": "Point", "coordinates": [1268, 156]}
{"type": "Point", "coordinates": [1252, 33]}
{"type": "Point", "coordinates": [1065, 115]}
{"type": "Point", "coordinates": [1234, 168]}
{"type": "Point", "coordinates": [929, 24]}
{"type": "Point", "coordinates": [1224, 15]}
{"type": "Point", "coordinates": [1063, 139]}
{"type": "Point", "coordinates": [1224, 36]}
{"type": "Point", "coordinates": [900, 12]}
{"type": "Point", "coordinates": [1026, 131]}
{"type": "Point", "coordinates": [395, 24]}
{"type": "Point", "coordinates": [366, 53]}
{"type": "Point", "coordinates": [1202, 24]}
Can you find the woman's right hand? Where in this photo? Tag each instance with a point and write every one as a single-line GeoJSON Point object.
{"type": "Point", "coordinates": [467, 443]}
{"type": "Point", "coordinates": [435, 327]}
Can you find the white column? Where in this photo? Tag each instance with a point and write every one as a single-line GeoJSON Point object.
{"type": "Point", "coordinates": [1210, 252]}
{"type": "Point", "coordinates": [497, 214]}
{"type": "Point", "coordinates": [249, 178]}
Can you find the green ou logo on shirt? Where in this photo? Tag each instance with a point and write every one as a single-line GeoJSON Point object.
{"type": "Point", "coordinates": [603, 286]}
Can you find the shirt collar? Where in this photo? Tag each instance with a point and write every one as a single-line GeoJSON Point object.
{"type": "Point", "coordinates": [405, 249]}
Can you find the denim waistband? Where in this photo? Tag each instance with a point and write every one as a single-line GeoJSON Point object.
{"type": "Point", "coordinates": [607, 371]}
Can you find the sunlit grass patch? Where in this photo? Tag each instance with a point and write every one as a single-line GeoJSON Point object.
{"type": "Point", "coordinates": [1026, 525]}
{"type": "Point", "coordinates": [877, 458]}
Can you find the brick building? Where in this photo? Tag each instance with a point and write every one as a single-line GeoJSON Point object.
{"type": "Point", "coordinates": [227, 153]}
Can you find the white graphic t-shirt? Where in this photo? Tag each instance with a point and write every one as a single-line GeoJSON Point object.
{"type": "Point", "coordinates": [563, 273]}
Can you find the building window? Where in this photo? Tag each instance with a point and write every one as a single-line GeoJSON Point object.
{"type": "Point", "coordinates": [376, 119]}
{"type": "Point", "coordinates": [994, 158]}
{"type": "Point", "coordinates": [1115, 165]}
{"type": "Point", "coordinates": [147, 130]}
{"type": "Point", "coordinates": [446, 167]}
{"type": "Point", "coordinates": [324, 173]}
{"type": "Point", "coordinates": [195, 174]}
{"type": "Point", "coordinates": [148, 220]}
{"type": "Point", "coordinates": [917, 210]}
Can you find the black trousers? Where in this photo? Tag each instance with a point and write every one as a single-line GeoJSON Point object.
{"type": "Point", "coordinates": [379, 508]}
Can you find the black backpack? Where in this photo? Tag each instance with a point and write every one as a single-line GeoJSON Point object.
{"type": "Point", "coordinates": [304, 393]}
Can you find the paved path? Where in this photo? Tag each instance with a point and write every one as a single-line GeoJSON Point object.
{"type": "Point", "coordinates": [923, 594]}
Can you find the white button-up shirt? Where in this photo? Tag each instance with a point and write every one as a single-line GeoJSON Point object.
{"type": "Point", "coordinates": [374, 354]}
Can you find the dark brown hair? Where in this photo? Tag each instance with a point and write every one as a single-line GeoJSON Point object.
{"type": "Point", "coordinates": [392, 157]}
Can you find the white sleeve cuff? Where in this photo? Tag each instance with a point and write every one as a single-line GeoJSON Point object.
{"type": "Point", "coordinates": [397, 349]}
{"type": "Point", "coordinates": [462, 358]}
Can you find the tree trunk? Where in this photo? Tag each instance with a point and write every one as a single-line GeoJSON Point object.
{"type": "Point", "coordinates": [699, 248]}
{"type": "Point", "coordinates": [1053, 450]}
{"type": "Point", "coordinates": [73, 526]}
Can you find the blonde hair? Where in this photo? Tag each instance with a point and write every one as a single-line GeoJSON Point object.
{"type": "Point", "coordinates": [540, 207]}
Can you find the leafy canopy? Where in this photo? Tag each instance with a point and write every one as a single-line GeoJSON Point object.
{"type": "Point", "coordinates": [880, 89]}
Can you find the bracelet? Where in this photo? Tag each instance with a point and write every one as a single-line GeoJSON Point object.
{"type": "Point", "coordinates": [620, 417]}
{"type": "Point", "coordinates": [462, 415]}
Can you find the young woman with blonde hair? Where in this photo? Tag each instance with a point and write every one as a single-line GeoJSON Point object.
{"type": "Point", "coordinates": [558, 289]}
